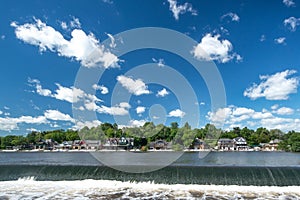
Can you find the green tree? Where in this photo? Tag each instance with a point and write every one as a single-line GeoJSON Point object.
{"type": "Point", "coordinates": [72, 135]}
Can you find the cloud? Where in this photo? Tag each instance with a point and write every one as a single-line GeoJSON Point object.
{"type": "Point", "coordinates": [69, 94]}
{"type": "Point", "coordinates": [103, 89]}
{"type": "Point", "coordinates": [288, 3]}
{"type": "Point", "coordinates": [119, 109]}
{"type": "Point", "coordinates": [39, 89]}
{"type": "Point", "coordinates": [140, 109]}
{"type": "Point", "coordinates": [242, 111]}
{"type": "Point", "coordinates": [32, 130]}
{"type": "Point", "coordinates": [212, 48]}
{"type": "Point", "coordinates": [64, 25]}
{"type": "Point", "coordinates": [1, 112]}
{"type": "Point", "coordinates": [262, 38]}
{"type": "Point", "coordinates": [261, 115]}
{"type": "Point", "coordinates": [232, 16]}
{"type": "Point", "coordinates": [136, 87]}
{"type": "Point", "coordinates": [108, 1]}
{"type": "Point", "coordinates": [292, 23]}
{"type": "Point", "coordinates": [162, 93]}
{"type": "Point", "coordinates": [57, 115]}
{"type": "Point", "coordinates": [274, 87]}
{"type": "Point", "coordinates": [137, 123]}
{"type": "Point", "coordinates": [177, 113]}
{"type": "Point", "coordinates": [218, 117]}
{"type": "Point", "coordinates": [280, 40]}
{"type": "Point", "coordinates": [284, 124]}
{"type": "Point", "coordinates": [160, 62]}
{"type": "Point", "coordinates": [74, 95]}
{"type": "Point", "coordinates": [82, 47]}
{"type": "Point", "coordinates": [114, 110]}
{"type": "Point", "coordinates": [180, 9]}
{"type": "Point", "coordinates": [233, 116]}
{"type": "Point", "coordinates": [79, 125]}
{"type": "Point", "coordinates": [74, 23]}
{"type": "Point", "coordinates": [274, 107]}
{"type": "Point", "coordinates": [10, 123]}
{"type": "Point", "coordinates": [112, 39]}
{"type": "Point", "coordinates": [284, 111]}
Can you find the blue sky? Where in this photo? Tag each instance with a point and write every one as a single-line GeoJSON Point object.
{"type": "Point", "coordinates": [44, 45]}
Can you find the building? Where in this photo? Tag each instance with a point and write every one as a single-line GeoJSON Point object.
{"type": "Point", "coordinates": [199, 144]}
{"type": "Point", "coordinates": [78, 144]}
{"type": "Point", "coordinates": [225, 144]}
{"type": "Point", "coordinates": [236, 144]}
{"type": "Point", "coordinates": [65, 145]}
{"type": "Point", "coordinates": [118, 143]}
{"type": "Point", "coordinates": [271, 146]}
{"type": "Point", "coordinates": [92, 144]}
{"type": "Point", "coordinates": [160, 145]}
{"type": "Point", "coordinates": [240, 144]}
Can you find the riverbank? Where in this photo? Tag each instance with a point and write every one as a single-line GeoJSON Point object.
{"type": "Point", "coordinates": [133, 150]}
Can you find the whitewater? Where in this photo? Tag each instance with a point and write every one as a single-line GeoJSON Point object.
{"type": "Point", "coordinates": [232, 175]}
{"type": "Point", "coordinates": [29, 188]}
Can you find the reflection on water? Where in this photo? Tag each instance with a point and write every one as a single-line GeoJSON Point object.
{"type": "Point", "coordinates": [274, 159]}
{"type": "Point", "coordinates": [127, 158]}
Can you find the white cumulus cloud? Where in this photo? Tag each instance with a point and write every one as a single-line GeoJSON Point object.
{"type": "Point", "coordinates": [140, 109]}
{"type": "Point", "coordinates": [292, 23]}
{"type": "Point", "coordinates": [284, 111]}
{"type": "Point", "coordinates": [177, 113]}
{"type": "Point", "coordinates": [233, 116]}
{"type": "Point", "coordinates": [280, 40]}
{"type": "Point", "coordinates": [57, 115]}
{"type": "Point", "coordinates": [274, 87]}
{"type": "Point", "coordinates": [160, 62]}
{"type": "Point", "coordinates": [288, 3]}
{"type": "Point", "coordinates": [162, 93]}
{"type": "Point", "coordinates": [232, 16]}
{"type": "Point", "coordinates": [69, 94]}
{"type": "Point", "coordinates": [180, 9]}
{"type": "Point", "coordinates": [212, 47]}
{"type": "Point", "coordinates": [82, 47]}
{"type": "Point", "coordinates": [137, 123]}
{"type": "Point", "coordinates": [119, 109]}
{"type": "Point", "coordinates": [11, 123]}
{"type": "Point", "coordinates": [89, 124]}
{"type": "Point", "coordinates": [41, 91]}
{"type": "Point", "coordinates": [102, 88]}
{"type": "Point", "coordinates": [75, 23]}
{"type": "Point", "coordinates": [136, 87]}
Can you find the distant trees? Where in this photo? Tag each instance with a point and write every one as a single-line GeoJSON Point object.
{"type": "Point", "coordinates": [291, 141]}
{"type": "Point", "coordinates": [180, 136]}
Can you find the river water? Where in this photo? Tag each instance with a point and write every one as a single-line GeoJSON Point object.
{"type": "Point", "coordinates": [195, 175]}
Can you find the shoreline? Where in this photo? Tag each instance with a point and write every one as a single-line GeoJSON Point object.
{"type": "Point", "coordinates": [132, 151]}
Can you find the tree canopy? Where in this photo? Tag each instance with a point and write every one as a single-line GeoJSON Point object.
{"type": "Point", "coordinates": [180, 136]}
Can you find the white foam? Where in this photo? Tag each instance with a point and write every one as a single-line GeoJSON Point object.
{"type": "Point", "coordinates": [80, 189]}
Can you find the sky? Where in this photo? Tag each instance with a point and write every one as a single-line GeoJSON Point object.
{"type": "Point", "coordinates": [66, 65]}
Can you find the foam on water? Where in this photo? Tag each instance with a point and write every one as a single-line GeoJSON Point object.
{"type": "Point", "coordinates": [29, 188]}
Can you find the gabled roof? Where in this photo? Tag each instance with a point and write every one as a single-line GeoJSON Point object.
{"type": "Point", "coordinates": [239, 139]}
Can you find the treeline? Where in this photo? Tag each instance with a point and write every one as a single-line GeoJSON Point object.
{"type": "Point", "coordinates": [180, 136]}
